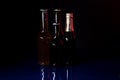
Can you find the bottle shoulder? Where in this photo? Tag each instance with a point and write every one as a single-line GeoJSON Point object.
{"type": "Point", "coordinates": [45, 35]}
{"type": "Point", "coordinates": [56, 42]}
{"type": "Point", "coordinates": [44, 38]}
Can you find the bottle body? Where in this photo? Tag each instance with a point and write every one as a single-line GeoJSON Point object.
{"type": "Point", "coordinates": [44, 50]}
{"type": "Point", "coordinates": [69, 48]}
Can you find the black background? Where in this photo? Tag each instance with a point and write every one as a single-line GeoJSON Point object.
{"type": "Point", "coordinates": [96, 24]}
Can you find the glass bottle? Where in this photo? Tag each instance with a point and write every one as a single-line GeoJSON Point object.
{"type": "Point", "coordinates": [44, 39]}
{"type": "Point", "coordinates": [68, 48]}
{"type": "Point", "coordinates": [57, 34]}
{"type": "Point", "coordinates": [69, 40]}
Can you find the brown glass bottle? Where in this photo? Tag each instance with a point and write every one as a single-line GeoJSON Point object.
{"type": "Point", "coordinates": [44, 39]}
{"type": "Point", "coordinates": [69, 40]}
{"type": "Point", "coordinates": [56, 42]}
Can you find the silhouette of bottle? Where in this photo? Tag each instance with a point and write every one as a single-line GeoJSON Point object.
{"type": "Point", "coordinates": [69, 40]}
{"type": "Point", "coordinates": [44, 39]}
{"type": "Point", "coordinates": [56, 42]}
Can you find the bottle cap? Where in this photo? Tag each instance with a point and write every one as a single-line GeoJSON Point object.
{"type": "Point", "coordinates": [69, 14]}
{"type": "Point", "coordinates": [44, 10]}
{"type": "Point", "coordinates": [57, 10]}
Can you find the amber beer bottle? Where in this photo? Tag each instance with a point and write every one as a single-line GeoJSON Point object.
{"type": "Point", "coordinates": [69, 40]}
{"type": "Point", "coordinates": [57, 34]}
{"type": "Point", "coordinates": [44, 38]}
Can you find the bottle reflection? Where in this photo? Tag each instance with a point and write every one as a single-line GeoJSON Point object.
{"type": "Point", "coordinates": [42, 71]}
{"type": "Point", "coordinates": [65, 73]}
{"type": "Point", "coordinates": [68, 73]}
{"type": "Point", "coordinates": [53, 73]}
{"type": "Point", "coordinates": [56, 74]}
{"type": "Point", "coordinates": [48, 73]}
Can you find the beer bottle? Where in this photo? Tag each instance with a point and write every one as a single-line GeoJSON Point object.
{"type": "Point", "coordinates": [57, 34]}
{"type": "Point", "coordinates": [44, 39]}
{"type": "Point", "coordinates": [69, 40]}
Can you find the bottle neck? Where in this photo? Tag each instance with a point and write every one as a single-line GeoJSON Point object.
{"type": "Point", "coordinates": [69, 23]}
{"type": "Point", "coordinates": [69, 26]}
{"type": "Point", "coordinates": [56, 30]}
{"type": "Point", "coordinates": [44, 22]}
{"type": "Point", "coordinates": [57, 24]}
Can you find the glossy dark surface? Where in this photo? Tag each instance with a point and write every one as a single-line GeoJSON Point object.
{"type": "Point", "coordinates": [97, 70]}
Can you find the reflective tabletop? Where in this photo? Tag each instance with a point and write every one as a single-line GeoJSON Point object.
{"type": "Point", "coordinates": [95, 70]}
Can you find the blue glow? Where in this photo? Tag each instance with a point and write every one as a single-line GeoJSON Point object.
{"type": "Point", "coordinates": [101, 70]}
